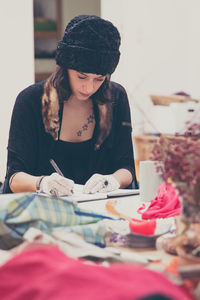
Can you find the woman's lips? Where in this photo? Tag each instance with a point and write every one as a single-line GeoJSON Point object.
{"type": "Point", "coordinates": [85, 95]}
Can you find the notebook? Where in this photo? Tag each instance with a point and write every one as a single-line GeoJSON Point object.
{"type": "Point", "coordinates": [79, 196]}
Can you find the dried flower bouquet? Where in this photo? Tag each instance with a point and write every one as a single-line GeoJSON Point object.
{"type": "Point", "coordinates": [180, 156]}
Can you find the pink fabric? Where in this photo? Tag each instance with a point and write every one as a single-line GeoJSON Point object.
{"type": "Point", "coordinates": [166, 204]}
{"type": "Point", "coordinates": [47, 273]}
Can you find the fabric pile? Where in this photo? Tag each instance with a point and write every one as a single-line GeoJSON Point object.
{"type": "Point", "coordinates": [49, 237]}
{"type": "Point", "coordinates": [19, 212]}
{"type": "Point", "coordinates": [52, 275]}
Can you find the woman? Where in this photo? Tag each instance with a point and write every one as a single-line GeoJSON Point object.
{"type": "Point", "coordinates": [77, 118]}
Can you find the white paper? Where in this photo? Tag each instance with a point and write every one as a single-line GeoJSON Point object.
{"type": "Point", "coordinates": [79, 196]}
{"type": "Point", "coordinates": [123, 192]}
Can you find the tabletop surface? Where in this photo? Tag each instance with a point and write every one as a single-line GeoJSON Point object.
{"type": "Point", "coordinates": [128, 206]}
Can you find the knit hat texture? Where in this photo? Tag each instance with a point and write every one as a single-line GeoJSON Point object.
{"type": "Point", "coordinates": [90, 45]}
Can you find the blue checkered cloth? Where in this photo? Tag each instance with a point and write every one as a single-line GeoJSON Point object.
{"type": "Point", "coordinates": [19, 212]}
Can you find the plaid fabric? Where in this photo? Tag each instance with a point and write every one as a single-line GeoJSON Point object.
{"type": "Point", "coordinates": [19, 212]}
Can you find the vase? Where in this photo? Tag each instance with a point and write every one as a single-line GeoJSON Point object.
{"type": "Point", "coordinates": [190, 213]}
{"type": "Point", "coordinates": [189, 196]}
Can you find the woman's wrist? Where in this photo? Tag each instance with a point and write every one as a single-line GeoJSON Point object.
{"type": "Point", "coordinates": [38, 182]}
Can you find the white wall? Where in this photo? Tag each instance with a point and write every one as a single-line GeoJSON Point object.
{"type": "Point", "coordinates": [160, 50]}
{"type": "Point", "coordinates": [72, 8]}
{"type": "Point", "coordinates": [16, 61]}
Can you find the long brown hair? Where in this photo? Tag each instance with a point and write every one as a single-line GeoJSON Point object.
{"type": "Point", "coordinates": [60, 81]}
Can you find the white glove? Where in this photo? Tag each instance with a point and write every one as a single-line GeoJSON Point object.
{"type": "Point", "coordinates": [56, 185]}
{"type": "Point", "coordinates": [101, 183]}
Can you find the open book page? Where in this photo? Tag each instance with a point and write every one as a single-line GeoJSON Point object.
{"type": "Point", "coordinates": [79, 196]}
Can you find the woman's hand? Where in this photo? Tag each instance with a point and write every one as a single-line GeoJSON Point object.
{"type": "Point", "coordinates": [101, 183]}
{"type": "Point", "coordinates": [56, 185]}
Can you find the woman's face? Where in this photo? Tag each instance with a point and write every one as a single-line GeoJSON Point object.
{"type": "Point", "coordinates": [84, 85]}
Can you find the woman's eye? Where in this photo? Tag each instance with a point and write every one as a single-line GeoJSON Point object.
{"type": "Point", "coordinates": [81, 77]}
{"type": "Point", "coordinates": [100, 79]}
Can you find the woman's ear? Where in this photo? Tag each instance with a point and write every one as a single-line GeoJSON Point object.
{"type": "Point", "coordinates": [108, 77]}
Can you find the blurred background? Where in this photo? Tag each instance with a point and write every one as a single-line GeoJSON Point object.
{"type": "Point", "coordinates": [159, 65]}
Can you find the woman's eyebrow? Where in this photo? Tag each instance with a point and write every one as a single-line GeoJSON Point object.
{"type": "Point", "coordinates": [101, 76]}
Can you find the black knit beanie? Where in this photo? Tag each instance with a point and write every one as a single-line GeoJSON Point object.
{"type": "Point", "coordinates": [90, 44]}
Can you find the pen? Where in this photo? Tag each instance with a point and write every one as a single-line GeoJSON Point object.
{"type": "Point", "coordinates": [57, 169]}
{"type": "Point", "coordinates": [54, 165]}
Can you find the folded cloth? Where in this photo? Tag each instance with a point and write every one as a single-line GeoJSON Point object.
{"type": "Point", "coordinates": [166, 204]}
{"type": "Point", "coordinates": [47, 273]}
{"type": "Point", "coordinates": [21, 211]}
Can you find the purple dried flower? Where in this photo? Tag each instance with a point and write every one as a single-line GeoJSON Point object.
{"type": "Point", "coordinates": [180, 155]}
{"type": "Point", "coordinates": [119, 239]}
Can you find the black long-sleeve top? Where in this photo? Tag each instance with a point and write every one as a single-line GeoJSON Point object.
{"type": "Point", "coordinates": [30, 147]}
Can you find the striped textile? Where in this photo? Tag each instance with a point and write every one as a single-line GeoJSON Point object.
{"type": "Point", "coordinates": [19, 212]}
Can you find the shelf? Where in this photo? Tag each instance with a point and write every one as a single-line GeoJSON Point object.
{"type": "Point", "coordinates": [45, 56]}
{"type": "Point", "coordinates": [44, 66]}
{"type": "Point", "coordinates": [46, 34]}
{"type": "Point", "coordinates": [41, 76]}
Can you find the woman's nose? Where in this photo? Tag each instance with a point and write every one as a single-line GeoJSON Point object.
{"type": "Point", "coordinates": [89, 87]}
